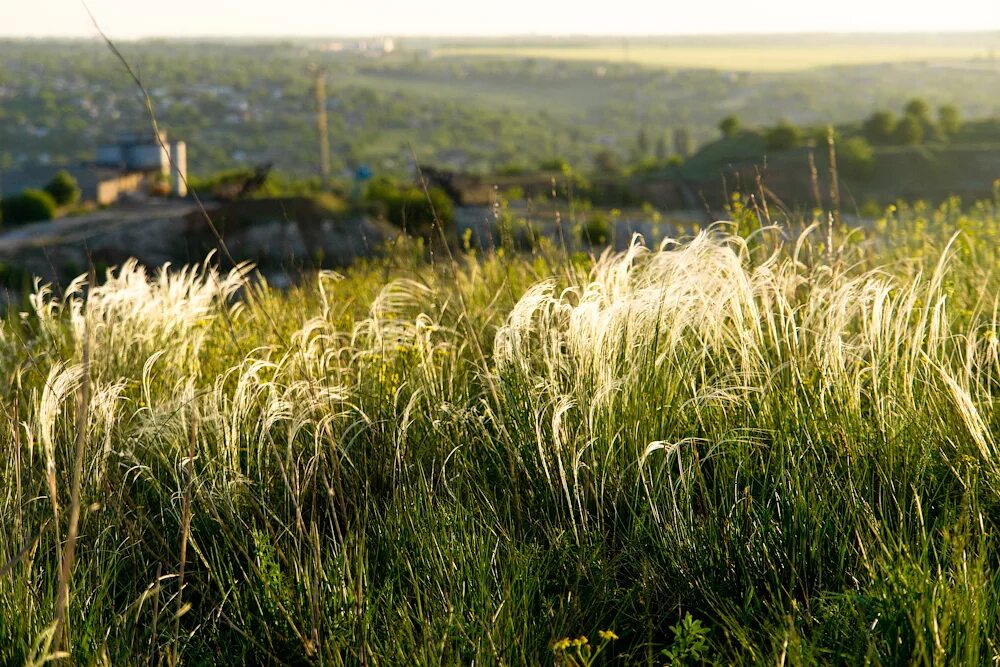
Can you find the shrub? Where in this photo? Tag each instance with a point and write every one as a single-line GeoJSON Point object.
{"type": "Point", "coordinates": [597, 230]}
{"type": "Point", "coordinates": [555, 164]}
{"type": "Point", "coordinates": [690, 642]}
{"type": "Point", "coordinates": [408, 207]}
{"type": "Point", "coordinates": [783, 136]}
{"type": "Point", "coordinates": [514, 193]}
{"type": "Point", "coordinates": [607, 162]}
{"type": "Point", "coordinates": [949, 120]}
{"type": "Point", "coordinates": [821, 135]}
{"type": "Point", "coordinates": [646, 165]}
{"type": "Point", "coordinates": [729, 126]}
{"type": "Point", "coordinates": [662, 152]}
{"type": "Point", "coordinates": [919, 109]}
{"type": "Point", "coordinates": [880, 128]}
{"type": "Point", "coordinates": [14, 277]}
{"type": "Point", "coordinates": [29, 206]}
{"type": "Point", "coordinates": [909, 131]}
{"type": "Point", "coordinates": [64, 189]}
{"type": "Point", "coordinates": [856, 158]}
{"type": "Point", "coordinates": [921, 112]}
{"type": "Point", "coordinates": [512, 169]}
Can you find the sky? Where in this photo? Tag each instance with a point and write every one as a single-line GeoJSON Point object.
{"type": "Point", "coordinates": [125, 19]}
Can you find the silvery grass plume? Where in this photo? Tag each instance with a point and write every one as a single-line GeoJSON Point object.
{"type": "Point", "coordinates": [660, 342]}
{"type": "Point", "coordinates": [131, 316]}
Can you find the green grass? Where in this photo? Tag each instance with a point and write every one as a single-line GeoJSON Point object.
{"type": "Point", "coordinates": [427, 462]}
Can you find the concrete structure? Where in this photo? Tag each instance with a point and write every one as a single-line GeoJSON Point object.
{"type": "Point", "coordinates": [97, 184]}
{"type": "Point", "coordinates": [136, 151]}
{"type": "Point", "coordinates": [133, 162]}
{"type": "Point", "coordinates": [178, 168]}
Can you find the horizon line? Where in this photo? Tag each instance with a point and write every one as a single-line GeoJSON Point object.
{"type": "Point", "coordinates": [518, 35]}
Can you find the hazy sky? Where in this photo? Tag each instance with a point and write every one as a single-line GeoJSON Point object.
{"type": "Point", "coordinates": [138, 18]}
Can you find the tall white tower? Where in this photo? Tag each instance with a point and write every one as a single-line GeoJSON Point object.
{"type": "Point", "coordinates": [178, 168]}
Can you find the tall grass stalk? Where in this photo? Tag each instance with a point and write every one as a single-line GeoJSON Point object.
{"type": "Point", "coordinates": [474, 460]}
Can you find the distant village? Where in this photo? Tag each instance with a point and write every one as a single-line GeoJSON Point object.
{"type": "Point", "coordinates": [369, 47]}
{"type": "Point", "coordinates": [232, 105]}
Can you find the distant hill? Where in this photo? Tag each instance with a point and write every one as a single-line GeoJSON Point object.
{"type": "Point", "coordinates": [461, 104]}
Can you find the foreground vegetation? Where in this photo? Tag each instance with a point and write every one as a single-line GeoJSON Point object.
{"type": "Point", "coordinates": [754, 444]}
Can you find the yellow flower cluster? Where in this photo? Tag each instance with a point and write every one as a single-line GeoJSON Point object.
{"type": "Point", "coordinates": [566, 643]}
{"type": "Point", "coordinates": [581, 641]}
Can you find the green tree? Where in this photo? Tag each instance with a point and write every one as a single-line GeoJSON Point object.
{"type": "Point", "coordinates": [783, 136]}
{"type": "Point", "coordinates": [949, 120]}
{"type": "Point", "coordinates": [729, 126]}
{"type": "Point", "coordinates": [607, 162]}
{"type": "Point", "coordinates": [821, 135]}
{"type": "Point", "coordinates": [880, 127]}
{"type": "Point", "coordinates": [856, 158]}
{"type": "Point", "coordinates": [909, 130]}
{"type": "Point", "coordinates": [642, 142]}
{"type": "Point", "coordinates": [918, 108]}
{"type": "Point", "coordinates": [29, 206]}
{"type": "Point", "coordinates": [64, 189]}
{"type": "Point", "coordinates": [682, 142]}
{"type": "Point", "coordinates": [662, 152]}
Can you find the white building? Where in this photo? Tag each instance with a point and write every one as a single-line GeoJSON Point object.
{"type": "Point", "coordinates": [147, 153]}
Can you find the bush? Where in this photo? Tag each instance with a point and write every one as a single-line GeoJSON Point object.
{"type": "Point", "coordinates": [821, 135]}
{"type": "Point", "coordinates": [729, 126]}
{"type": "Point", "coordinates": [856, 158]}
{"type": "Point", "coordinates": [597, 230]}
{"type": "Point", "coordinates": [555, 164]}
{"type": "Point", "coordinates": [921, 112]}
{"type": "Point", "coordinates": [64, 189]}
{"type": "Point", "coordinates": [607, 162]}
{"type": "Point", "coordinates": [919, 109]}
{"type": "Point", "coordinates": [409, 208]}
{"type": "Point", "coordinates": [514, 193]}
{"type": "Point", "coordinates": [29, 206]}
{"type": "Point", "coordinates": [949, 120]}
{"type": "Point", "coordinates": [783, 136]}
{"type": "Point", "coordinates": [14, 277]}
{"type": "Point", "coordinates": [910, 130]}
{"type": "Point", "coordinates": [647, 165]}
{"type": "Point", "coordinates": [512, 169]}
{"type": "Point", "coordinates": [880, 128]}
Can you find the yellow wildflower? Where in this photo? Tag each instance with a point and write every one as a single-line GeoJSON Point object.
{"type": "Point", "coordinates": [607, 635]}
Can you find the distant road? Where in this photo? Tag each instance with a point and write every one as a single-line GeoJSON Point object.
{"type": "Point", "coordinates": [77, 228]}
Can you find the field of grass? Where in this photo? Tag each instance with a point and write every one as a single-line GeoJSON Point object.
{"type": "Point", "coordinates": [745, 446]}
{"type": "Point", "coordinates": [729, 58]}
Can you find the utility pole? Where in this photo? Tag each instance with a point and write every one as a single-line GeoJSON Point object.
{"type": "Point", "coordinates": [321, 126]}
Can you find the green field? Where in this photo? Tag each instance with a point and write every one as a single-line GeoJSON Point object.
{"type": "Point", "coordinates": [744, 447]}
{"type": "Point", "coordinates": [756, 59]}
